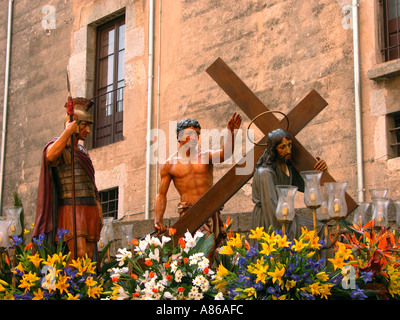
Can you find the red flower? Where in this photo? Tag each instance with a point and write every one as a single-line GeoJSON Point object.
{"type": "Point", "coordinates": [155, 290]}
{"type": "Point", "coordinates": [135, 294]}
{"type": "Point", "coordinates": [152, 274]}
{"type": "Point", "coordinates": [148, 263]}
{"type": "Point", "coordinates": [167, 265]}
{"type": "Point", "coordinates": [181, 289]}
{"type": "Point", "coordinates": [182, 243]}
{"type": "Point", "coordinates": [185, 260]}
{"type": "Point", "coordinates": [206, 270]}
{"type": "Point", "coordinates": [169, 277]}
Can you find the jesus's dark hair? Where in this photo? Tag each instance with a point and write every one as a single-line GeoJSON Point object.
{"type": "Point", "coordinates": [274, 138]}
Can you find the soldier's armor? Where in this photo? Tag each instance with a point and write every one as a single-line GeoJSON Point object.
{"type": "Point", "coordinates": [84, 187]}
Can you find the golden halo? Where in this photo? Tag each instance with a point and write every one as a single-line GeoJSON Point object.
{"type": "Point", "coordinates": [270, 111]}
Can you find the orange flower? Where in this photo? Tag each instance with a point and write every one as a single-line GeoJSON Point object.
{"type": "Point", "coordinates": [28, 246]}
{"type": "Point", "coordinates": [167, 265]}
{"type": "Point", "coordinates": [152, 274]}
{"type": "Point", "coordinates": [171, 231]}
{"type": "Point", "coordinates": [168, 277]}
{"type": "Point", "coordinates": [182, 243]}
{"type": "Point", "coordinates": [181, 289]}
{"type": "Point", "coordinates": [134, 276]}
{"type": "Point", "coordinates": [185, 260]}
{"type": "Point", "coordinates": [206, 270]}
{"type": "Point", "coordinates": [228, 222]}
{"type": "Point", "coordinates": [155, 290]}
{"type": "Point", "coordinates": [135, 242]}
{"type": "Point", "coordinates": [148, 263]}
{"type": "Point", "coordinates": [135, 294]}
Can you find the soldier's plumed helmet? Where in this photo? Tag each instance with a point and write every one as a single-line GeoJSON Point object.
{"type": "Point", "coordinates": [81, 111]}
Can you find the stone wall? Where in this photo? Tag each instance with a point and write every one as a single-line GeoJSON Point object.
{"type": "Point", "coordinates": [280, 49]}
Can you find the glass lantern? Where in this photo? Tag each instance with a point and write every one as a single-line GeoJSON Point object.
{"type": "Point", "coordinates": [360, 215]}
{"type": "Point", "coordinates": [397, 206]}
{"type": "Point", "coordinates": [380, 211]}
{"type": "Point", "coordinates": [312, 193]}
{"type": "Point", "coordinates": [4, 226]}
{"type": "Point", "coordinates": [285, 208]}
{"type": "Point", "coordinates": [106, 234]}
{"type": "Point", "coordinates": [337, 207]}
{"type": "Point", "coordinates": [13, 214]}
{"type": "Point", "coordinates": [322, 211]}
{"type": "Point", "coordinates": [378, 192]}
{"type": "Point", "coordinates": [126, 235]}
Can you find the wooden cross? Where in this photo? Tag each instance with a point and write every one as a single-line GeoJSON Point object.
{"type": "Point", "coordinates": [230, 183]}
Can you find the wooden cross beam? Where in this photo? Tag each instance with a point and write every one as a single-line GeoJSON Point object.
{"type": "Point", "coordinates": [230, 183]}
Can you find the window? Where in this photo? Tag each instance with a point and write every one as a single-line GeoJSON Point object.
{"type": "Point", "coordinates": [109, 203]}
{"type": "Point", "coordinates": [391, 27]}
{"type": "Point", "coordinates": [394, 131]}
{"type": "Point", "coordinates": [109, 89]}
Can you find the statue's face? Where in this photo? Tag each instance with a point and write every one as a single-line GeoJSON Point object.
{"type": "Point", "coordinates": [284, 149]}
{"type": "Point", "coordinates": [189, 136]}
{"type": "Point", "coordinates": [84, 130]}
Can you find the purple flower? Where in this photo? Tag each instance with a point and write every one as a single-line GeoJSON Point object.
{"type": "Point", "coordinates": [15, 241]}
{"type": "Point", "coordinates": [61, 233]}
{"type": "Point", "coordinates": [358, 294]}
{"type": "Point", "coordinates": [39, 240]}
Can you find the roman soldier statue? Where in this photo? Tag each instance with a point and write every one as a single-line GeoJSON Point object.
{"type": "Point", "coordinates": [66, 201]}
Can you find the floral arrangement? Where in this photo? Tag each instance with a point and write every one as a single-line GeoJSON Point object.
{"type": "Point", "coordinates": [40, 275]}
{"type": "Point", "coordinates": [160, 270]}
{"type": "Point", "coordinates": [373, 253]}
{"type": "Point", "coordinates": [274, 268]}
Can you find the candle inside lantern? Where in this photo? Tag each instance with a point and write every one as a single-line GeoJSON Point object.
{"type": "Point", "coordinates": [336, 206]}
{"type": "Point", "coordinates": [285, 210]}
{"type": "Point", "coordinates": [101, 244]}
{"type": "Point", "coordinates": [313, 196]}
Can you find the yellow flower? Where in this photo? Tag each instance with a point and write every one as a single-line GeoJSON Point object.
{"type": "Point", "coordinates": [38, 295]}
{"type": "Point", "coordinates": [298, 245]}
{"type": "Point", "coordinates": [236, 242]}
{"type": "Point", "coordinates": [28, 280]}
{"type": "Point", "coordinates": [267, 248]}
{"type": "Point", "coordinates": [270, 238]}
{"type": "Point", "coordinates": [94, 292]}
{"type": "Point", "coordinates": [337, 262]}
{"type": "Point", "coordinates": [2, 284]}
{"type": "Point", "coordinates": [282, 241]}
{"type": "Point", "coordinates": [322, 276]}
{"type": "Point", "coordinates": [277, 275]}
{"type": "Point", "coordinates": [221, 285]}
{"type": "Point", "coordinates": [290, 284]}
{"type": "Point", "coordinates": [19, 268]}
{"type": "Point", "coordinates": [227, 250]}
{"type": "Point", "coordinates": [221, 271]}
{"type": "Point", "coordinates": [90, 282]}
{"type": "Point", "coordinates": [35, 260]}
{"type": "Point", "coordinates": [62, 285]}
{"type": "Point", "coordinates": [71, 297]}
{"type": "Point", "coordinates": [257, 234]}
{"type": "Point", "coordinates": [250, 292]}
